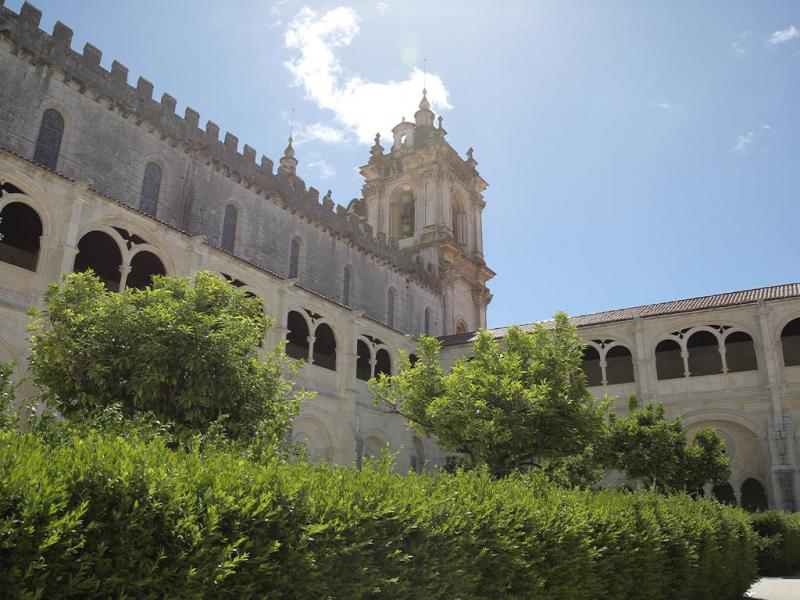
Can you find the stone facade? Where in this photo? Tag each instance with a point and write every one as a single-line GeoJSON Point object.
{"type": "Point", "coordinates": [96, 173]}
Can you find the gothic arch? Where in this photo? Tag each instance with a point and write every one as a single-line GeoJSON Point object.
{"type": "Point", "coordinates": [231, 226]}
{"type": "Point", "coordinates": [34, 201]}
{"type": "Point", "coordinates": [697, 417]}
{"type": "Point", "coordinates": [375, 443]}
{"type": "Point", "coordinates": [69, 125]}
{"type": "Point", "coordinates": [789, 337]}
{"type": "Point", "coordinates": [21, 228]}
{"type": "Point", "coordinates": [402, 212]}
{"type": "Point", "coordinates": [458, 220]}
{"type": "Point", "coordinates": [310, 430]}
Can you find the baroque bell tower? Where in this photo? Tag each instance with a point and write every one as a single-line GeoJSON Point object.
{"type": "Point", "coordinates": [422, 194]}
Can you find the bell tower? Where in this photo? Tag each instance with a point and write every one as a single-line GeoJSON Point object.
{"type": "Point", "coordinates": [429, 200]}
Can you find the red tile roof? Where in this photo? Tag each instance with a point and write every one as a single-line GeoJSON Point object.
{"type": "Point", "coordinates": [775, 292]}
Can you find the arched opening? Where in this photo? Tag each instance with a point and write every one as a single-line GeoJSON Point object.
{"type": "Point", "coordinates": [383, 363]}
{"type": "Point", "coordinates": [704, 356]}
{"type": "Point", "coordinates": [374, 447]}
{"type": "Point", "coordinates": [99, 252]}
{"type": "Point", "coordinates": [461, 327]}
{"type": "Point", "coordinates": [294, 258]}
{"type": "Point", "coordinates": [297, 336]}
{"type": "Point", "coordinates": [390, 307]}
{"type": "Point", "coordinates": [591, 366]}
{"type": "Point", "coordinates": [619, 365]}
{"type": "Point", "coordinates": [740, 353]}
{"type": "Point", "coordinates": [325, 347]}
{"type": "Point", "coordinates": [311, 435]}
{"type": "Point", "coordinates": [459, 220]}
{"type": "Point", "coordinates": [151, 188]}
{"type": "Point", "coordinates": [403, 213]}
{"type": "Point", "coordinates": [724, 494]}
{"type": "Point", "coordinates": [669, 363]}
{"type": "Point", "coordinates": [346, 284]}
{"type": "Point", "coordinates": [20, 233]}
{"type": "Point", "coordinates": [427, 323]}
{"type": "Point", "coordinates": [144, 265]}
{"type": "Point", "coordinates": [753, 496]}
{"type": "Point", "coordinates": [790, 343]}
{"type": "Point", "coordinates": [48, 142]}
{"type": "Point", "coordinates": [228, 239]}
{"type": "Point", "coordinates": [363, 367]}
{"type": "Point", "coordinates": [413, 359]}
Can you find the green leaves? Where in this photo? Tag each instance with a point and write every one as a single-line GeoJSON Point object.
{"type": "Point", "coordinates": [509, 407]}
{"type": "Point", "coordinates": [187, 352]}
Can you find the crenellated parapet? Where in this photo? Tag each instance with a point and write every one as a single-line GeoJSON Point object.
{"type": "Point", "coordinates": [112, 86]}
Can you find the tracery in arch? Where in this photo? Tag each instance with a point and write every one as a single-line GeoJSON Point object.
{"type": "Point", "coordinates": [705, 350]}
{"type": "Point", "coordinates": [48, 141]}
{"type": "Point", "coordinates": [318, 349]}
{"type": "Point", "coordinates": [372, 358]}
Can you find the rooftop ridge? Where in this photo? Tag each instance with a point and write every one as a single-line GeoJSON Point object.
{"type": "Point", "coordinates": [55, 50]}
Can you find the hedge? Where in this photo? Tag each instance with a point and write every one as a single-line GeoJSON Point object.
{"type": "Point", "coordinates": [99, 515]}
{"type": "Point", "coordinates": [779, 546]}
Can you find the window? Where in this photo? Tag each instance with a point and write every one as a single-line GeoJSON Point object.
{"type": "Point", "coordinates": [619, 365]}
{"type": "Point", "coordinates": [20, 233]}
{"type": "Point", "coordinates": [790, 343]}
{"type": "Point", "coordinates": [325, 347]}
{"type": "Point", "coordinates": [704, 356]}
{"type": "Point", "coordinates": [383, 363]}
{"type": "Point", "coordinates": [99, 252]}
{"type": "Point", "coordinates": [427, 324]}
{"type": "Point", "coordinates": [151, 187]}
{"type": "Point", "coordinates": [403, 213]}
{"type": "Point", "coordinates": [591, 366]}
{"type": "Point", "coordinates": [459, 220]}
{"type": "Point", "coordinates": [390, 307]}
{"type": "Point", "coordinates": [144, 265]}
{"type": "Point", "coordinates": [297, 336]}
{"type": "Point", "coordinates": [229, 228]}
{"type": "Point", "coordinates": [48, 142]}
{"type": "Point", "coordinates": [294, 258]}
{"type": "Point", "coordinates": [363, 366]}
{"type": "Point", "coordinates": [740, 353]}
{"type": "Point", "coordinates": [669, 362]}
{"type": "Point", "coordinates": [461, 326]}
{"type": "Point", "coordinates": [346, 282]}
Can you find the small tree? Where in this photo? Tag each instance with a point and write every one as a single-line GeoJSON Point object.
{"type": "Point", "coordinates": [654, 450]}
{"type": "Point", "coordinates": [8, 396]}
{"type": "Point", "coordinates": [512, 408]}
{"type": "Point", "coordinates": [187, 352]}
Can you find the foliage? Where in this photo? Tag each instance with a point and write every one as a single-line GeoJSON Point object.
{"type": "Point", "coordinates": [779, 547]}
{"type": "Point", "coordinates": [652, 449]}
{"type": "Point", "coordinates": [509, 408]}
{"type": "Point", "coordinates": [186, 352]}
{"type": "Point", "coordinates": [97, 513]}
{"type": "Point", "coordinates": [8, 396]}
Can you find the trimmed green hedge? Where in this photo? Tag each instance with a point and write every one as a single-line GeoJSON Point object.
{"type": "Point", "coordinates": [102, 516]}
{"type": "Point", "coordinates": [779, 544]}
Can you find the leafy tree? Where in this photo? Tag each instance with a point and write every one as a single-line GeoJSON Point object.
{"type": "Point", "coordinates": [8, 395]}
{"type": "Point", "coordinates": [654, 450]}
{"type": "Point", "coordinates": [187, 352]}
{"type": "Point", "coordinates": [509, 408]}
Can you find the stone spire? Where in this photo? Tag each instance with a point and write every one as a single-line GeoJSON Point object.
{"type": "Point", "coordinates": [424, 116]}
{"type": "Point", "coordinates": [288, 163]}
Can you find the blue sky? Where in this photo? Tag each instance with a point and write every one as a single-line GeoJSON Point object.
{"type": "Point", "coordinates": [636, 151]}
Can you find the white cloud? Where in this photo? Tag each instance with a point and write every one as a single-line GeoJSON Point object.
{"type": "Point", "coordinates": [276, 13]}
{"type": "Point", "coordinates": [784, 35]}
{"type": "Point", "coordinates": [359, 105]}
{"type": "Point", "coordinates": [661, 105]}
{"type": "Point", "coordinates": [322, 168]}
{"type": "Point", "coordinates": [738, 46]}
{"type": "Point", "coordinates": [382, 7]}
{"type": "Point", "coordinates": [319, 132]}
{"type": "Point", "coordinates": [752, 140]}
{"type": "Point", "coordinates": [742, 143]}
{"type": "Point", "coordinates": [768, 128]}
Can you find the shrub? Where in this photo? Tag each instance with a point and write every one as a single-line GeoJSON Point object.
{"type": "Point", "coordinates": [91, 514]}
{"type": "Point", "coordinates": [779, 545]}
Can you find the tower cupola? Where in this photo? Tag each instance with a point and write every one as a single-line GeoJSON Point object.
{"type": "Point", "coordinates": [424, 116]}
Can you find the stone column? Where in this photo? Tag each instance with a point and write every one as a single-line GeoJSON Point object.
{"type": "Point", "coordinates": [641, 360]}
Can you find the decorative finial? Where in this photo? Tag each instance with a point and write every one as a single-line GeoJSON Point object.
{"type": "Point", "coordinates": [327, 201]}
{"type": "Point", "coordinates": [288, 163]}
{"type": "Point", "coordinates": [289, 149]}
{"type": "Point", "coordinates": [377, 149]}
{"type": "Point", "coordinates": [469, 153]}
{"type": "Point", "coordinates": [471, 162]}
{"type": "Point", "coordinates": [424, 104]}
{"type": "Point", "coordinates": [439, 120]}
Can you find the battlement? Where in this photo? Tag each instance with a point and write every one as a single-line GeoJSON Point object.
{"type": "Point", "coordinates": [54, 49]}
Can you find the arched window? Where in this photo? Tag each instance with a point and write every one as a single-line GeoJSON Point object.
{"type": "Point", "coordinates": [99, 252]}
{"type": "Point", "coordinates": [20, 233]}
{"type": "Point", "coordinates": [740, 353]}
{"type": "Point", "coordinates": [591, 366]}
{"type": "Point", "coordinates": [144, 265]}
{"type": "Point", "coordinates": [619, 365]}
{"type": "Point", "coordinates": [294, 258]}
{"type": "Point", "coordinates": [427, 324]}
{"type": "Point", "coordinates": [48, 142]}
{"type": "Point", "coordinates": [297, 336]}
{"type": "Point", "coordinates": [724, 494]}
{"type": "Point", "coordinates": [346, 283]}
{"type": "Point", "coordinates": [151, 187]}
{"type": "Point", "coordinates": [229, 228]}
{"type": "Point", "coordinates": [325, 347]}
{"type": "Point", "coordinates": [704, 356]}
{"type": "Point", "coordinates": [383, 363]}
{"type": "Point", "coordinates": [459, 220]}
{"type": "Point", "coordinates": [461, 327]}
{"type": "Point", "coordinates": [790, 343]}
{"type": "Point", "coordinates": [363, 366]}
{"type": "Point", "coordinates": [753, 496]}
{"type": "Point", "coordinates": [669, 362]}
{"type": "Point", "coordinates": [403, 213]}
{"type": "Point", "coordinates": [390, 307]}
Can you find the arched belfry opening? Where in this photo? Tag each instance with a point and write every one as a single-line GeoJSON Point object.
{"type": "Point", "coordinates": [403, 213]}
